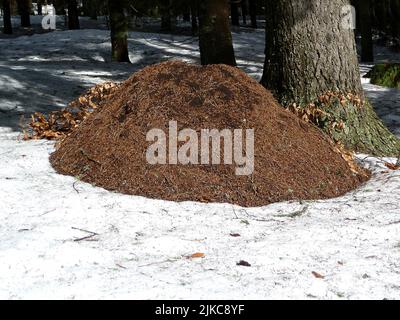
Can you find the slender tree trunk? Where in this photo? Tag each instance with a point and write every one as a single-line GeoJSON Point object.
{"type": "Point", "coordinates": [381, 15]}
{"type": "Point", "coordinates": [166, 16]}
{"type": "Point", "coordinates": [194, 15]}
{"type": "Point", "coordinates": [367, 47]}
{"type": "Point", "coordinates": [215, 35]}
{"type": "Point", "coordinates": [73, 15]}
{"type": "Point", "coordinates": [59, 7]}
{"type": "Point", "coordinates": [39, 7]}
{"type": "Point", "coordinates": [253, 13]}
{"type": "Point", "coordinates": [395, 19]}
{"type": "Point", "coordinates": [119, 32]}
{"type": "Point", "coordinates": [311, 60]}
{"type": "Point", "coordinates": [7, 17]}
{"type": "Point", "coordinates": [244, 11]}
{"type": "Point", "coordinates": [92, 8]}
{"type": "Point", "coordinates": [24, 10]}
{"type": "Point", "coordinates": [235, 12]}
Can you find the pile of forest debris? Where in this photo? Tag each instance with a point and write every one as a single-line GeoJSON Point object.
{"type": "Point", "coordinates": [58, 124]}
{"type": "Point", "coordinates": [292, 159]}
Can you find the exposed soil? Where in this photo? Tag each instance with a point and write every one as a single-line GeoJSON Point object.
{"type": "Point", "coordinates": [293, 159]}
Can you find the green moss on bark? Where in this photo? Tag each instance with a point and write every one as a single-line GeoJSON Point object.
{"type": "Point", "coordinates": [352, 122]}
{"type": "Point", "coordinates": [386, 75]}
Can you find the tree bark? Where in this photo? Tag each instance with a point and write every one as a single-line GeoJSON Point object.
{"type": "Point", "coordinates": [7, 17]}
{"type": "Point", "coordinates": [59, 7]}
{"type": "Point", "coordinates": [253, 13]}
{"type": "Point", "coordinates": [367, 47]}
{"type": "Point", "coordinates": [194, 15]}
{"type": "Point", "coordinates": [24, 10]}
{"type": "Point", "coordinates": [119, 32]}
{"type": "Point", "coordinates": [244, 11]}
{"type": "Point", "coordinates": [215, 36]}
{"type": "Point", "coordinates": [395, 19]}
{"type": "Point", "coordinates": [39, 7]}
{"type": "Point", "coordinates": [73, 15]}
{"type": "Point", "coordinates": [235, 12]}
{"type": "Point", "coordinates": [166, 16]}
{"type": "Point", "coordinates": [311, 52]}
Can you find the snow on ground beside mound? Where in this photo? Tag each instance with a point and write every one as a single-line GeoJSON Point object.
{"type": "Point", "coordinates": [61, 238]}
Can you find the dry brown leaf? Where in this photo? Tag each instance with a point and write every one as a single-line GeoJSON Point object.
{"type": "Point", "coordinates": [318, 275]}
{"type": "Point", "coordinates": [392, 166]}
{"type": "Point", "coordinates": [196, 255]}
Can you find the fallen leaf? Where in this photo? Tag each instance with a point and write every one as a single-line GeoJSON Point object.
{"type": "Point", "coordinates": [243, 263]}
{"type": "Point", "coordinates": [392, 166]}
{"type": "Point", "coordinates": [196, 255]}
{"type": "Point", "coordinates": [318, 275]}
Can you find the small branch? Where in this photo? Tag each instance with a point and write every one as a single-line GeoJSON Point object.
{"type": "Point", "coordinates": [90, 236]}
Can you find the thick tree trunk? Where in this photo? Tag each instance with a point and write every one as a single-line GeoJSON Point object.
{"type": "Point", "coordinates": [119, 32]}
{"type": "Point", "coordinates": [367, 47]}
{"type": "Point", "coordinates": [253, 13]}
{"type": "Point", "coordinates": [235, 12]}
{"type": "Point", "coordinates": [7, 17]}
{"type": "Point", "coordinates": [310, 53]}
{"type": "Point", "coordinates": [24, 10]}
{"type": "Point", "coordinates": [73, 15]}
{"type": "Point", "coordinates": [215, 36]}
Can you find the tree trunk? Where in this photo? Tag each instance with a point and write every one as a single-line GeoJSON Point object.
{"type": "Point", "coordinates": [253, 13]}
{"type": "Point", "coordinates": [235, 12]}
{"type": "Point", "coordinates": [244, 11]}
{"type": "Point", "coordinates": [91, 7]}
{"type": "Point", "coordinates": [7, 17]}
{"type": "Point", "coordinates": [215, 35]}
{"type": "Point", "coordinates": [381, 15]}
{"type": "Point", "coordinates": [39, 7]}
{"type": "Point", "coordinates": [395, 25]}
{"type": "Point", "coordinates": [194, 14]}
{"type": "Point", "coordinates": [24, 10]}
{"type": "Point", "coordinates": [73, 15]}
{"type": "Point", "coordinates": [59, 7]}
{"type": "Point", "coordinates": [311, 59]}
{"type": "Point", "coordinates": [119, 32]}
{"type": "Point", "coordinates": [166, 17]}
{"type": "Point", "coordinates": [367, 47]}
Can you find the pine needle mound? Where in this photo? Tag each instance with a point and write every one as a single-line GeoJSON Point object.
{"type": "Point", "coordinates": [293, 159]}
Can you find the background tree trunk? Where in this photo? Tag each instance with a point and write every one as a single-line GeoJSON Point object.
{"type": "Point", "coordinates": [7, 17]}
{"type": "Point", "coordinates": [73, 15]}
{"type": "Point", "coordinates": [253, 13]}
{"type": "Point", "coordinates": [119, 32]}
{"type": "Point", "coordinates": [311, 52]}
{"type": "Point", "coordinates": [39, 7]}
{"type": "Point", "coordinates": [367, 46]}
{"type": "Point", "coordinates": [234, 12]}
{"type": "Point", "coordinates": [166, 17]}
{"type": "Point", "coordinates": [24, 10]}
{"type": "Point", "coordinates": [395, 19]}
{"type": "Point", "coordinates": [244, 11]}
{"type": "Point", "coordinates": [215, 36]}
{"type": "Point", "coordinates": [194, 15]}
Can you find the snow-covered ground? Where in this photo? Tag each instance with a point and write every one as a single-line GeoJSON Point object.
{"type": "Point", "coordinates": [61, 238]}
